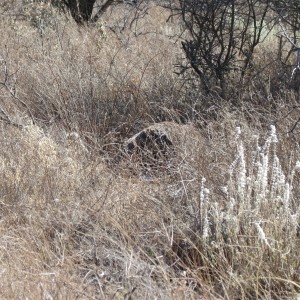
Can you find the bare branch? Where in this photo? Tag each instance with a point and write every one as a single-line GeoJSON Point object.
{"type": "Point", "coordinates": [286, 35]}
{"type": "Point", "coordinates": [297, 48]}
{"type": "Point", "coordinates": [102, 10]}
{"type": "Point", "coordinates": [12, 91]}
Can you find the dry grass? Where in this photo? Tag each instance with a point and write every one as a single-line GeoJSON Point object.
{"type": "Point", "coordinates": [223, 225]}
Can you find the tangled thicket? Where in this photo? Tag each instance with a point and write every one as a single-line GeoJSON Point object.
{"type": "Point", "coordinates": [79, 219]}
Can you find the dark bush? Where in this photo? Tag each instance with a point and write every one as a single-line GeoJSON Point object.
{"type": "Point", "coordinates": [221, 39]}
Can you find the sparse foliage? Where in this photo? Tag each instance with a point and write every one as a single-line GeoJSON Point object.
{"type": "Point", "coordinates": [221, 39]}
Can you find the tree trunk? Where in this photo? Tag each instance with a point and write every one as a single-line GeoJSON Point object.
{"type": "Point", "coordinates": [81, 10]}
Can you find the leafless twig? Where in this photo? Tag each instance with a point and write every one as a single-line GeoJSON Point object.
{"type": "Point", "coordinates": [297, 48]}
{"type": "Point", "coordinates": [12, 92]}
{"type": "Point", "coordinates": [286, 35]}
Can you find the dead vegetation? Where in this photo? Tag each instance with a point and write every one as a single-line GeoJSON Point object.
{"type": "Point", "coordinates": [215, 215]}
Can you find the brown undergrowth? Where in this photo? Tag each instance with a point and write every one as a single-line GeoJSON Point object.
{"type": "Point", "coordinates": [75, 223]}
